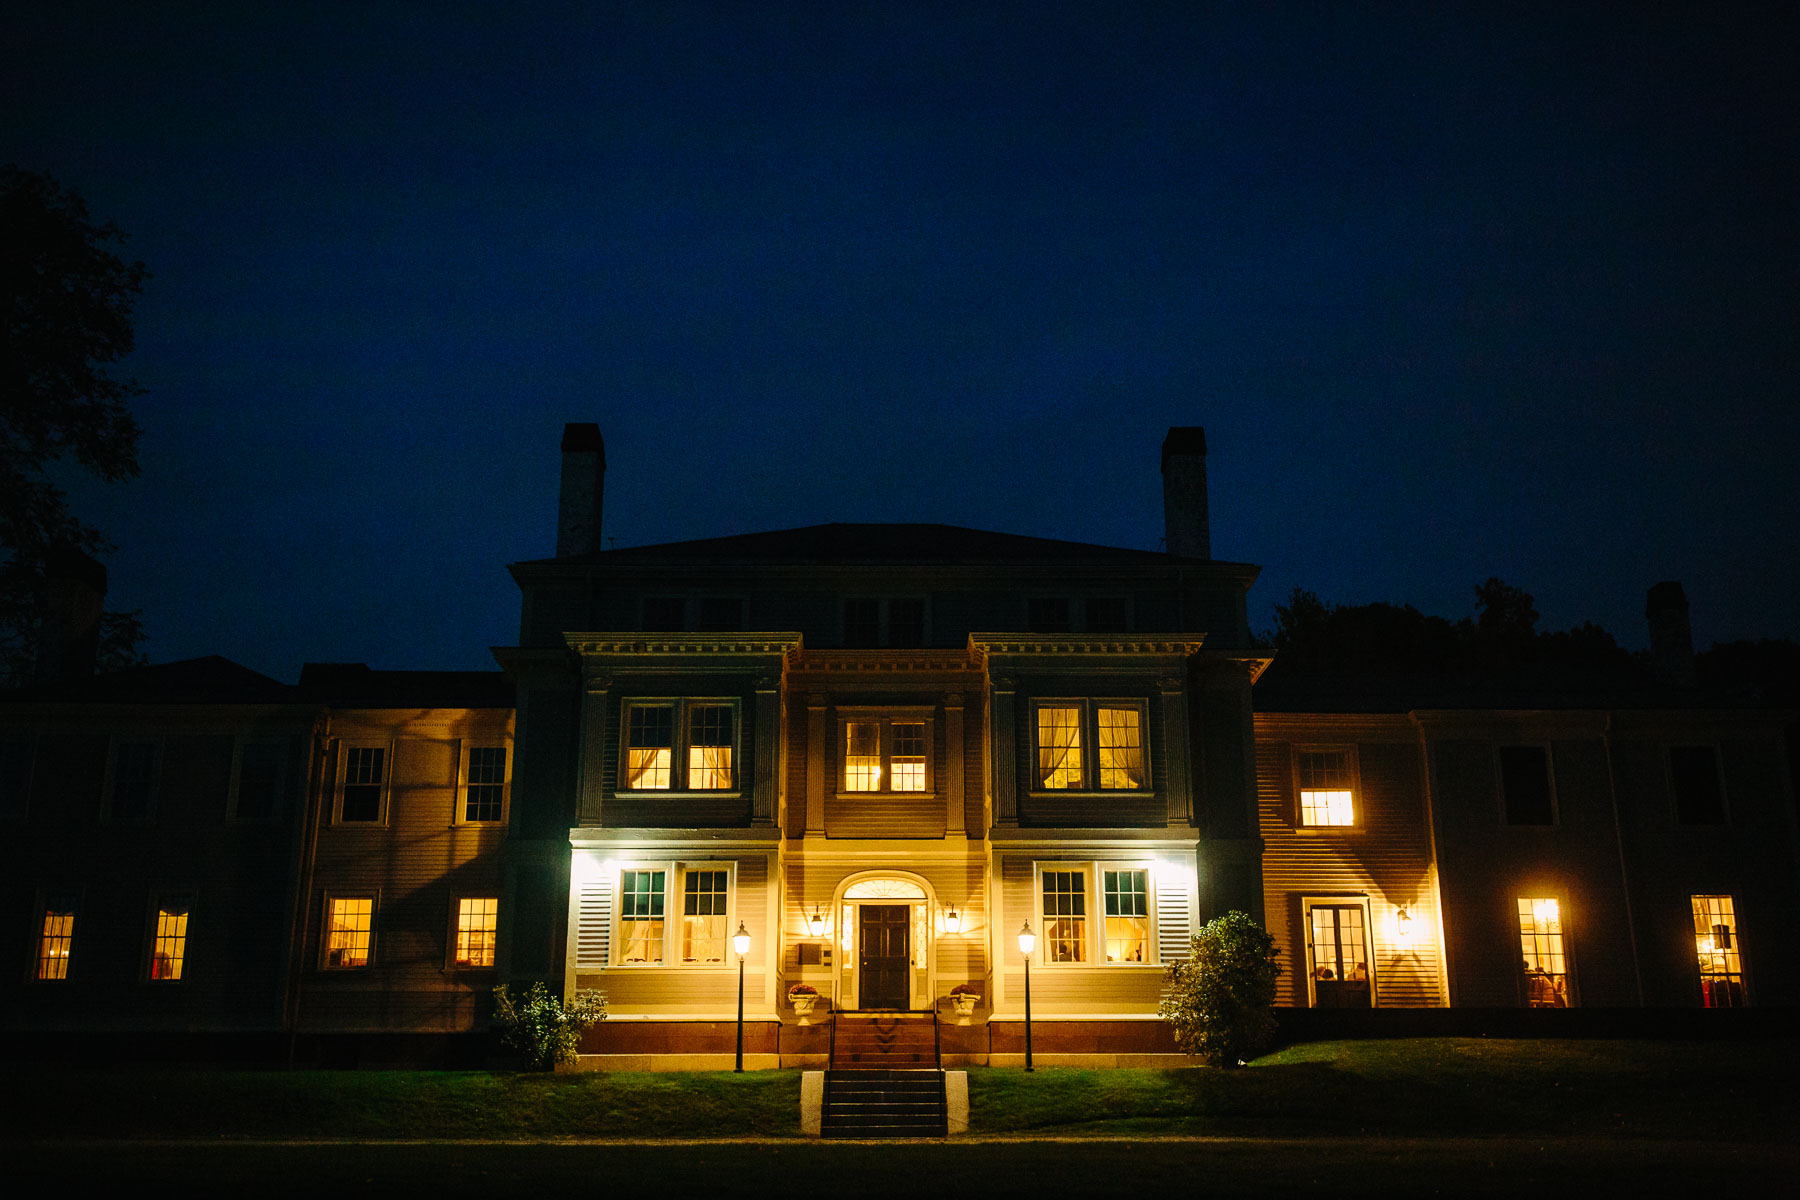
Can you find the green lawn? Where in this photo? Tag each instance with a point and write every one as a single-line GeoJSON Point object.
{"type": "Point", "coordinates": [1426, 1088]}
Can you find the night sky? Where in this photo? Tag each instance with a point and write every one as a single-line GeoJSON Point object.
{"type": "Point", "coordinates": [1512, 294]}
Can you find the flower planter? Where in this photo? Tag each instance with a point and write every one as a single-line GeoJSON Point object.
{"type": "Point", "coordinates": [803, 1005]}
{"type": "Point", "coordinates": [963, 1003]}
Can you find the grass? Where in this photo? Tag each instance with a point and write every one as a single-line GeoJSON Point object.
{"type": "Point", "coordinates": [1424, 1088]}
{"type": "Point", "coordinates": [1427, 1087]}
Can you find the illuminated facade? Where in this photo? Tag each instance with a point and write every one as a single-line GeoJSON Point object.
{"type": "Point", "coordinates": [880, 751]}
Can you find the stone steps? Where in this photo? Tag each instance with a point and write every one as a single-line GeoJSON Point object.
{"type": "Point", "coordinates": [883, 1103]}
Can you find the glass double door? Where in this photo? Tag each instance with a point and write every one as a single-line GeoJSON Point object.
{"type": "Point", "coordinates": [1340, 956]}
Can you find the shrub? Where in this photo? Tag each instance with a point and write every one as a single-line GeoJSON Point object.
{"type": "Point", "coordinates": [542, 1028]}
{"type": "Point", "coordinates": [1218, 1002]}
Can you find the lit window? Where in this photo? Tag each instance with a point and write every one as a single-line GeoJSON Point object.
{"type": "Point", "coordinates": [641, 916]}
{"type": "Point", "coordinates": [365, 773]}
{"type": "Point", "coordinates": [1545, 965]}
{"type": "Point", "coordinates": [886, 756]}
{"type": "Point", "coordinates": [485, 799]}
{"type": "Point", "coordinates": [1721, 964]}
{"type": "Point", "coordinates": [168, 953]}
{"type": "Point", "coordinates": [1694, 775]}
{"type": "Point", "coordinates": [709, 747]}
{"type": "Point", "coordinates": [1065, 916]}
{"type": "Point", "coordinates": [56, 939]}
{"type": "Point", "coordinates": [134, 780]}
{"type": "Point", "coordinates": [1127, 915]}
{"type": "Point", "coordinates": [699, 897]}
{"type": "Point", "coordinates": [348, 923]}
{"type": "Point", "coordinates": [1120, 747]}
{"type": "Point", "coordinates": [684, 745]}
{"type": "Point", "coordinates": [703, 916]}
{"type": "Point", "coordinates": [1327, 787]}
{"type": "Point", "coordinates": [1114, 728]}
{"type": "Point", "coordinates": [1059, 746]}
{"type": "Point", "coordinates": [477, 919]}
{"type": "Point", "coordinates": [1525, 785]}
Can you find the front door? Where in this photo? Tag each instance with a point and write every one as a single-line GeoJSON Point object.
{"type": "Point", "coordinates": [885, 968]}
{"type": "Point", "coordinates": [1340, 957]}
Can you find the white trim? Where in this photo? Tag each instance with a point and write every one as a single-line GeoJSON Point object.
{"type": "Point", "coordinates": [387, 746]}
{"type": "Point", "coordinates": [674, 877]}
{"type": "Point", "coordinates": [1094, 905]}
{"type": "Point", "coordinates": [460, 815]}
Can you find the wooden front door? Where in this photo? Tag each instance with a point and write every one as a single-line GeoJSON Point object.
{"type": "Point", "coordinates": [885, 967]}
{"type": "Point", "coordinates": [1340, 958]}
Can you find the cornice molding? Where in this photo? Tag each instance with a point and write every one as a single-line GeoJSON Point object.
{"type": "Point", "coordinates": [990, 645]}
{"type": "Point", "coordinates": [683, 645]}
{"type": "Point", "coordinates": [882, 661]}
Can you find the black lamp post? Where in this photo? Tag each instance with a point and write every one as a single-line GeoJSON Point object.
{"type": "Point", "coordinates": [740, 941]}
{"type": "Point", "coordinates": [1027, 942]}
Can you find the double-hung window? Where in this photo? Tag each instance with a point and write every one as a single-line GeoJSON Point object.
{"type": "Point", "coordinates": [1326, 781]}
{"type": "Point", "coordinates": [256, 780]}
{"type": "Point", "coordinates": [1095, 913]}
{"type": "Point", "coordinates": [134, 772]}
{"type": "Point", "coordinates": [1721, 960]}
{"type": "Point", "coordinates": [169, 938]}
{"type": "Point", "coordinates": [477, 926]}
{"type": "Point", "coordinates": [1699, 790]}
{"type": "Point", "coordinates": [349, 932]}
{"type": "Point", "coordinates": [56, 937]}
{"type": "Point", "coordinates": [1545, 960]}
{"type": "Point", "coordinates": [1090, 745]}
{"type": "Point", "coordinates": [679, 746]}
{"type": "Point", "coordinates": [674, 913]}
{"type": "Point", "coordinates": [362, 783]}
{"type": "Point", "coordinates": [888, 753]}
{"type": "Point", "coordinates": [1525, 788]}
{"type": "Point", "coordinates": [485, 782]}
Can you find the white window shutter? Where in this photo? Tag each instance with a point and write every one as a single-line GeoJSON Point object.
{"type": "Point", "coordinates": [593, 930]}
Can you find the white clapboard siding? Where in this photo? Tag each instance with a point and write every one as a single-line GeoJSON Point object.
{"type": "Point", "coordinates": [593, 925]}
{"type": "Point", "coordinates": [1174, 924]}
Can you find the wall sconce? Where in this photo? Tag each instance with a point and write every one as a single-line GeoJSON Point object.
{"type": "Point", "coordinates": [1403, 929]}
{"type": "Point", "coordinates": [816, 922]}
{"type": "Point", "coordinates": [952, 922]}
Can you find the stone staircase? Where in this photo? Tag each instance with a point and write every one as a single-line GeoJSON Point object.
{"type": "Point", "coordinates": [884, 1079]}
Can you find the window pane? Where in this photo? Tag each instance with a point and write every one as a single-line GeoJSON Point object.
{"type": "Point", "coordinates": [57, 937]}
{"type": "Point", "coordinates": [1525, 782]}
{"type": "Point", "coordinates": [1694, 770]}
{"type": "Point", "coordinates": [908, 760]}
{"type": "Point", "coordinates": [363, 776]}
{"type": "Point", "coordinates": [641, 916]}
{"type": "Point", "coordinates": [664, 614]}
{"type": "Point", "coordinates": [134, 774]}
{"type": "Point", "coordinates": [170, 949]}
{"type": "Point", "coordinates": [1065, 916]}
{"type": "Point", "coordinates": [15, 778]}
{"type": "Point", "coordinates": [1121, 748]}
{"type": "Point", "coordinates": [649, 746]}
{"type": "Point", "coordinates": [709, 746]}
{"type": "Point", "coordinates": [862, 756]}
{"type": "Point", "coordinates": [1716, 941]}
{"type": "Point", "coordinates": [1127, 916]}
{"type": "Point", "coordinates": [906, 623]}
{"type": "Point", "coordinates": [347, 932]}
{"type": "Point", "coordinates": [477, 920]}
{"type": "Point", "coordinates": [703, 915]}
{"type": "Point", "coordinates": [862, 623]}
{"type": "Point", "coordinates": [1059, 746]}
{"type": "Point", "coordinates": [487, 783]}
{"type": "Point", "coordinates": [1047, 614]}
{"type": "Point", "coordinates": [1339, 950]}
{"type": "Point", "coordinates": [721, 614]}
{"type": "Point", "coordinates": [1541, 944]}
{"type": "Point", "coordinates": [259, 776]}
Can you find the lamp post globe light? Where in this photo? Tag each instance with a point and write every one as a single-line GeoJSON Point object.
{"type": "Point", "coordinates": [1027, 943]}
{"type": "Point", "coordinates": [740, 941]}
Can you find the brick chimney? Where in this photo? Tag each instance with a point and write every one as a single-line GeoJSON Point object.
{"type": "Point", "coordinates": [1671, 637]}
{"type": "Point", "coordinates": [1185, 528]}
{"type": "Point", "coordinates": [583, 486]}
{"type": "Point", "coordinates": [74, 596]}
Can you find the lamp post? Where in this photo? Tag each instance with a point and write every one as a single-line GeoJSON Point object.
{"type": "Point", "coordinates": [740, 941]}
{"type": "Point", "coordinates": [1027, 942]}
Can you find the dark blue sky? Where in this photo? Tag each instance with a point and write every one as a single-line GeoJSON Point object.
{"type": "Point", "coordinates": [1455, 295]}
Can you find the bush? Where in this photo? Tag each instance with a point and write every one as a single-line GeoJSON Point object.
{"type": "Point", "coordinates": [542, 1028]}
{"type": "Point", "coordinates": [1218, 1002]}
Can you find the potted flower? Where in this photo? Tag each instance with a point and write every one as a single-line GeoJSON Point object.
{"type": "Point", "coordinates": [803, 996]}
{"type": "Point", "coordinates": [963, 996]}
